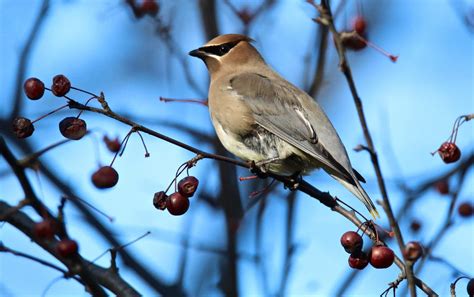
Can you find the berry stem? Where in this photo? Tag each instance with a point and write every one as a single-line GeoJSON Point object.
{"type": "Point", "coordinates": [84, 91]}
{"type": "Point", "coordinates": [50, 113]}
{"type": "Point", "coordinates": [147, 154]}
{"type": "Point", "coordinates": [245, 178]}
{"type": "Point", "coordinates": [355, 210]}
{"type": "Point", "coordinates": [392, 58]}
{"type": "Point", "coordinates": [87, 102]}
{"type": "Point", "coordinates": [123, 145]}
{"type": "Point", "coordinates": [265, 190]}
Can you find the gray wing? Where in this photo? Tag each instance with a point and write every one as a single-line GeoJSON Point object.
{"type": "Point", "coordinates": [278, 109]}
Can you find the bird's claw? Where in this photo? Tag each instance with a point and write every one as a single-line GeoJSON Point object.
{"type": "Point", "coordinates": [258, 170]}
{"type": "Point", "coordinates": [293, 182]}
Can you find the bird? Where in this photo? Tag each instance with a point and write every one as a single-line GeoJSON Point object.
{"type": "Point", "coordinates": [261, 117]}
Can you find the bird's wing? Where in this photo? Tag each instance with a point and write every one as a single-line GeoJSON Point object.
{"type": "Point", "coordinates": [278, 109]}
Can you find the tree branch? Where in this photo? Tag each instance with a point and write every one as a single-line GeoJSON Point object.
{"type": "Point", "coordinates": [327, 20]}
{"type": "Point", "coordinates": [92, 275]}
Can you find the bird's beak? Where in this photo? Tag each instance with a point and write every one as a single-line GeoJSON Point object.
{"type": "Point", "coordinates": [197, 53]}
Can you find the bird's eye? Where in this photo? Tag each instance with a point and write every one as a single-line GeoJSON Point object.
{"type": "Point", "coordinates": [223, 49]}
{"type": "Point", "coordinates": [219, 50]}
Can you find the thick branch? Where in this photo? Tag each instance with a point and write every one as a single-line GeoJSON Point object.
{"type": "Point", "coordinates": [93, 276]}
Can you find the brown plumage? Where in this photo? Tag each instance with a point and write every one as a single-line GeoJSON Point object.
{"type": "Point", "coordinates": [261, 117]}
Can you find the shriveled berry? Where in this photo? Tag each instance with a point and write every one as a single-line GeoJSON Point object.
{"type": "Point", "coordinates": [113, 145]}
{"type": "Point", "coordinates": [159, 200]}
{"type": "Point", "coordinates": [352, 40]}
{"type": "Point", "coordinates": [470, 287]}
{"type": "Point", "coordinates": [449, 152]}
{"type": "Point", "coordinates": [188, 186]}
{"type": "Point", "coordinates": [442, 186]}
{"type": "Point", "coordinates": [34, 88]}
{"type": "Point", "coordinates": [149, 7]}
{"type": "Point", "coordinates": [44, 229]}
{"type": "Point", "coordinates": [177, 204]}
{"type": "Point", "coordinates": [105, 177]}
{"type": "Point", "coordinates": [61, 85]}
{"type": "Point", "coordinates": [359, 24]}
{"type": "Point", "coordinates": [415, 225]}
{"type": "Point", "coordinates": [358, 260]}
{"type": "Point", "coordinates": [67, 247]}
{"type": "Point", "coordinates": [73, 128]}
{"type": "Point", "coordinates": [413, 251]}
{"type": "Point", "coordinates": [381, 256]}
{"type": "Point", "coordinates": [466, 209]}
{"type": "Point", "coordinates": [352, 242]}
{"type": "Point", "coordinates": [22, 127]}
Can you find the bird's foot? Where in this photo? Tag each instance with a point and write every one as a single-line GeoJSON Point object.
{"type": "Point", "coordinates": [293, 182]}
{"type": "Point", "coordinates": [258, 170]}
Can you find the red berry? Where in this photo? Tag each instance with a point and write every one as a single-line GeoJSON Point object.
{"type": "Point", "coordinates": [67, 247]}
{"type": "Point", "coordinates": [449, 152]}
{"type": "Point", "coordinates": [159, 200]}
{"type": "Point", "coordinates": [358, 260]}
{"type": "Point", "coordinates": [34, 88]}
{"type": "Point", "coordinates": [22, 127]}
{"type": "Point", "coordinates": [73, 128]}
{"type": "Point", "coordinates": [359, 25]}
{"type": "Point", "coordinates": [177, 204]}
{"type": "Point", "coordinates": [352, 242]}
{"type": "Point", "coordinates": [413, 251]}
{"type": "Point", "coordinates": [61, 85]}
{"type": "Point", "coordinates": [415, 225]}
{"type": "Point", "coordinates": [188, 186]}
{"type": "Point", "coordinates": [149, 7]}
{"type": "Point", "coordinates": [44, 229]}
{"type": "Point", "coordinates": [470, 287]}
{"type": "Point", "coordinates": [352, 40]}
{"type": "Point", "coordinates": [381, 256]}
{"type": "Point", "coordinates": [112, 144]}
{"type": "Point", "coordinates": [105, 177]}
{"type": "Point", "coordinates": [465, 209]}
{"type": "Point", "coordinates": [442, 186]}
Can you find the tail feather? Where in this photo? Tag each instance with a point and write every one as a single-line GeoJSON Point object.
{"type": "Point", "coordinates": [360, 193]}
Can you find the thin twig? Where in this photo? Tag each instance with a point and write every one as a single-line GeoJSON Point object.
{"type": "Point", "coordinates": [5, 249]}
{"type": "Point", "coordinates": [327, 20]}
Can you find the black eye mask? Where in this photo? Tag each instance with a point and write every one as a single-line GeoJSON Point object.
{"type": "Point", "coordinates": [219, 50]}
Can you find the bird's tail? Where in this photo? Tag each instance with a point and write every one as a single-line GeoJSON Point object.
{"type": "Point", "coordinates": [360, 193]}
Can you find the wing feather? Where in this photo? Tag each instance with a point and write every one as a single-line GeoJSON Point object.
{"type": "Point", "coordinates": [278, 110]}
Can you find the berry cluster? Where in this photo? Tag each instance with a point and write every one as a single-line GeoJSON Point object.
{"type": "Point", "coordinates": [178, 202]}
{"type": "Point", "coordinates": [72, 128]}
{"type": "Point", "coordinates": [379, 256]}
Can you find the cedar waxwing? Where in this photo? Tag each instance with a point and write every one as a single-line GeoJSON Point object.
{"type": "Point", "coordinates": [259, 116]}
